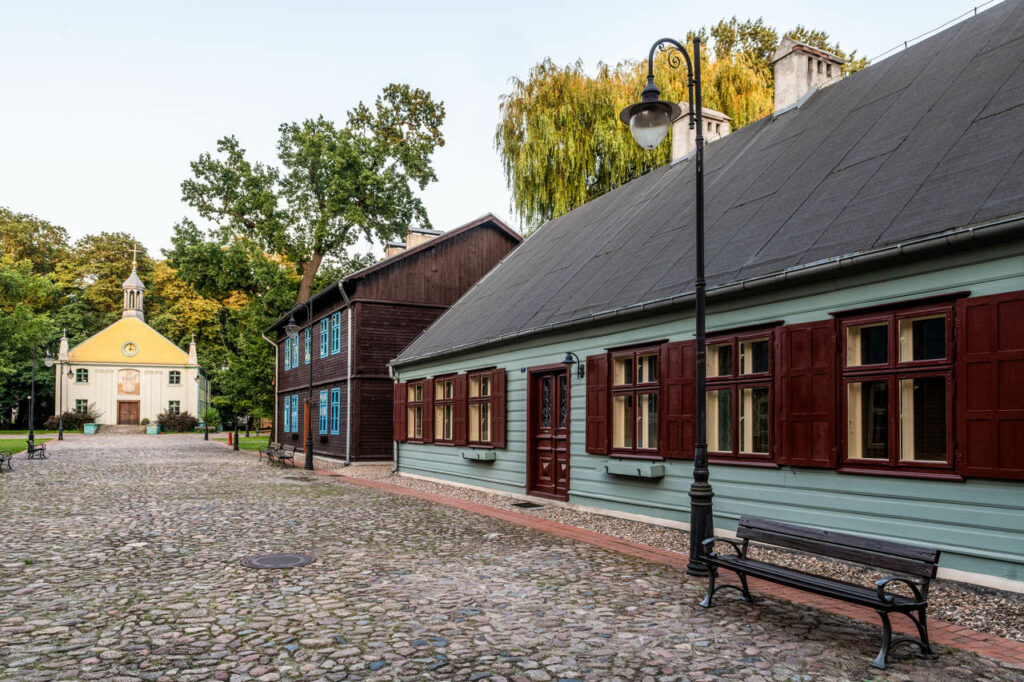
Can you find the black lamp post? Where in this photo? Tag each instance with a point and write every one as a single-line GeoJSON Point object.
{"type": "Point", "coordinates": [50, 361]}
{"type": "Point", "coordinates": [234, 416]}
{"type": "Point", "coordinates": [206, 412]}
{"type": "Point", "coordinates": [649, 121]}
{"type": "Point", "coordinates": [32, 401]}
{"type": "Point", "coordinates": [292, 329]}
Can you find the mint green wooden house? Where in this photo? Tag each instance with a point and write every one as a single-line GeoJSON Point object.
{"type": "Point", "coordinates": [865, 249]}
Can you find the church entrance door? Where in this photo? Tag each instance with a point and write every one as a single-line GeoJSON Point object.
{"type": "Point", "coordinates": [127, 412]}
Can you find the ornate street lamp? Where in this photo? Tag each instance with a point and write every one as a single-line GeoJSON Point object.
{"type": "Point", "coordinates": [649, 121]}
{"type": "Point", "coordinates": [206, 422]}
{"type": "Point", "coordinates": [292, 330]}
{"type": "Point", "coordinates": [50, 361]}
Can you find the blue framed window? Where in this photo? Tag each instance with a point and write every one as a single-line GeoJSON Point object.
{"type": "Point", "coordinates": [287, 353]}
{"type": "Point", "coordinates": [295, 353]}
{"type": "Point", "coordinates": [287, 414]}
{"type": "Point", "coordinates": [295, 414]}
{"type": "Point", "coordinates": [325, 330]}
{"type": "Point", "coordinates": [335, 411]}
{"type": "Point", "coordinates": [335, 333]}
{"type": "Point", "coordinates": [323, 412]}
{"type": "Point", "coordinates": [308, 355]}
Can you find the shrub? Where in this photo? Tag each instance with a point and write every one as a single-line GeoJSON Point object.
{"type": "Point", "coordinates": [176, 423]}
{"type": "Point", "coordinates": [73, 420]}
{"type": "Point", "coordinates": [145, 421]}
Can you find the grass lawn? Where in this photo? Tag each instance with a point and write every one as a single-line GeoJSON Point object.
{"type": "Point", "coordinates": [24, 432]}
{"type": "Point", "coordinates": [17, 445]}
{"type": "Point", "coordinates": [252, 444]}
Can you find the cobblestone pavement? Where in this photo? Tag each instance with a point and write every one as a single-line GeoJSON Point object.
{"type": "Point", "coordinates": [120, 560]}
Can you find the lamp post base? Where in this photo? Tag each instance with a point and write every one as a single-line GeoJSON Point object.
{"type": "Point", "coordinates": [701, 527]}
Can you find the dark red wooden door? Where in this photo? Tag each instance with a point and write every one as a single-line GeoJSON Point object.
{"type": "Point", "coordinates": [547, 472]}
{"type": "Point", "coordinates": [127, 412]}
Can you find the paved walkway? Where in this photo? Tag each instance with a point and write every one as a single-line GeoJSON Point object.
{"type": "Point", "coordinates": [119, 560]}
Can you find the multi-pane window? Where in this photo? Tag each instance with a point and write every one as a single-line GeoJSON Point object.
{"type": "Point", "coordinates": [897, 376]}
{"type": "Point", "coordinates": [81, 406]}
{"type": "Point", "coordinates": [480, 408]}
{"type": "Point", "coordinates": [287, 414]}
{"type": "Point", "coordinates": [414, 411]}
{"type": "Point", "coordinates": [295, 414]}
{"type": "Point", "coordinates": [739, 396]}
{"type": "Point", "coordinates": [323, 412]}
{"type": "Point", "coordinates": [174, 377]}
{"type": "Point", "coordinates": [174, 407]}
{"type": "Point", "coordinates": [308, 344]}
{"type": "Point", "coordinates": [295, 352]}
{"type": "Point", "coordinates": [335, 333]}
{"type": "Point", "coordinates": [288, 353]}
{"type": "Point", "coordinates": [81, 376]}
{"type": "Point", "coordinates": [444, 409]}
{"type": "Point", "coordinates": [634, 391]}
{"type": "Point", "coordinates": [325, 332]}
{"type": "Point", "coordinates": [335, 411]}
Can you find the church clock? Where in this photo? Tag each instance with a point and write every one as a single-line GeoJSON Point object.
{"type": "Point", "coordinates": [129, 349]}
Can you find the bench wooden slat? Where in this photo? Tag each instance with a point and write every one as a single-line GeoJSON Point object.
{"type": "Point", "coordinates": [893, 556]}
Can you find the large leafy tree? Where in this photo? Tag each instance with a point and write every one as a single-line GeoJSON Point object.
{"type": "Point", "coordinates": [333, 183]}
{"type": "Point", "coordinates": [24, 236]}
{"type": "Point", "coordinates": [560, 140]}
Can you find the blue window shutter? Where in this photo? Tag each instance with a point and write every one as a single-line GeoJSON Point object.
{"type": "Point", "coordinates": [325, 328]}
{"type": "Point", "coordinates": [335, 410]}
{"type": "Point", "coordinates": [335, 333]}
{"type": "Point", "coordinates": [323, 412]}
{"type": "Point", "coordinates": [295, 352]}
{"type": "Point", "coordinates": [307, 345]}
{"type": "Point", "coordinates": [287, 353]}
{"type": "Point", "coordinates": [295, 414]}
{"type": "Point", "coordinates": [287, 414]}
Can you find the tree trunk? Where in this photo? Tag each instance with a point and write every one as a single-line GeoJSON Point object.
{"type": "Point", "coordinates": [308, 273]}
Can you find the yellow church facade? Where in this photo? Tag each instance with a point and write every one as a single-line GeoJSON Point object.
{"type": "Point", "coordinates": [128, 371]}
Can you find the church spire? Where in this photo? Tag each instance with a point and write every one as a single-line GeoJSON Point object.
{"type": "Point", "coordinates": [133, 289]}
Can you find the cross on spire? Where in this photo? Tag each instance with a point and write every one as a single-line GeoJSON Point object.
{"type": "Point", "coordinates": [135, 248]}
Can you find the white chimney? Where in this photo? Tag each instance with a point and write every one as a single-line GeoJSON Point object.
{"type": "Point", "coordinates": [414, 236]}
{"type": "Point", "coordinates": [799, 68]}
{"type": "Point", "coordinates": [684, 139]}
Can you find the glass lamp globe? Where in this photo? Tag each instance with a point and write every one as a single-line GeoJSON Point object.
{"type": "Point", "coordinates": [649, 124]}
{"type": "Point", "coordinates": [292, 328]}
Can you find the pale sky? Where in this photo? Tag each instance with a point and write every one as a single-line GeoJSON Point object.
{"type": "Point", "coordinates": [104, 104]}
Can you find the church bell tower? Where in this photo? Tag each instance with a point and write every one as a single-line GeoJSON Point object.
{"type": "Point", "coordinates": [133, 290]}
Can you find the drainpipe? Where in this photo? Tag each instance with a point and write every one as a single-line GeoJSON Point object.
{"type": "Point", "coordinates": [394, 443]}
{"type": "Point", "coordinates": [348, 377]}
{"type": "Point", "coordinates": [274, 418]}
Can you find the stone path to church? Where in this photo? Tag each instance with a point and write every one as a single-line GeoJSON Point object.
{"type": "Point", "coordinates": [119, 560]}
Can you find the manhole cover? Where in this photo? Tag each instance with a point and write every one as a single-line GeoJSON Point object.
{"type": "Point", "coordinates": [527, 505]}
{"type": "Point", "coordinates": [277, 560]}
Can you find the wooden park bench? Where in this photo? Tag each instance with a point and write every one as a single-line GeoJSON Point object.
{"type": "Point", "coordinates": [917, 565]}
{"type": "Point", "coordinates": [286, 455]}
{"type": "Point", "coordinates": [36, 451]}
{"type": "Point", "coordinates": [271, 449]}
{"type": "Point", "coordinates": [5, 458]}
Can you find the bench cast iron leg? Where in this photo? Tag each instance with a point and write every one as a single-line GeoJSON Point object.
{"type": "Point", "coordinates": [883, 653]}
{"type": "Point", "coordinates": [711, 587]}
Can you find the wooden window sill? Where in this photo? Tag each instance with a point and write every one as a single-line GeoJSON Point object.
{"type": "Point", "coordinates": [935, 474]}
{"type": "Point", "coordinates": [730, 461]}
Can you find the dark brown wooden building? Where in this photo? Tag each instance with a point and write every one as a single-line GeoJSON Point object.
{"type": "Point", "coordinates": [338, 365]}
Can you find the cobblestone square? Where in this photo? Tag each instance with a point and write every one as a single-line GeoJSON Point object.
{"type": "Point", "coordinates": [121, 560]}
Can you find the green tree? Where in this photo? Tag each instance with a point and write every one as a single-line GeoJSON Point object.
{"type": "Point", "coordinates": [24, 236]}
{"type": "Point", "coordinates": [559, 138]}
{"type": "Point", "coordinates": [25, 332]}
{"type": "Point", "coordinates": [333, 182]}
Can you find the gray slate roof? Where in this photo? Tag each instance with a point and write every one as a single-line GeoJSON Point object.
{"type": "Point", "coordinates": [926, 141]}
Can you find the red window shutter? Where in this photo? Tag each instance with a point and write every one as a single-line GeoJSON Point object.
{"type": "Point", "coordinates": [597, 404]}
{"type": "Point", "coordinates": [498, 408]}
{"type": "Point", "coordinates": [459, 384]}
{"type": "Point", "coordinates": [678, 399]}
{"type": "Point", "coordinates": [990, 386]}
{"type": "Point", "coordinates": [807, 394]}
{"type": "Point", "coordinates": [428, 410]}
{"type": "Point", "coordinates": [401, 427]}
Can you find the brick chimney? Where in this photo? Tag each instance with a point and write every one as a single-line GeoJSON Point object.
{"type": "Point", "coordinates": [799, 68]}
{"type": "Point", "coordinates": [684, 139]}
{"type": "Point", "coordinates": [414, 236]}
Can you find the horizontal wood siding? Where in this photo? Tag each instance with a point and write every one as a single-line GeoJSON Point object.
{"type": "Point", "coordinates": [383, 330]}
{"type": "Point", "coordinates": [976, 523]}
{"type": "Point", "coordinates": [375, 423]}
{"type": "Point", "coordinates": [439, 274]}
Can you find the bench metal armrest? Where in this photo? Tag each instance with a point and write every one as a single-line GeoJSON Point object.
{"type": "Point", "coordinates": [740, 548]}
{"type": "Point", "coordinates": [918, 587]}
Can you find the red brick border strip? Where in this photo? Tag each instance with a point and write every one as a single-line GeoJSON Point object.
{"type": "Point", "coordinates": [941, 632]}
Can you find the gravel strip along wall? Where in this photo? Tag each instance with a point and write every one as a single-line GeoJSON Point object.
{"type": "Point", "coordinates": [987, 610]}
